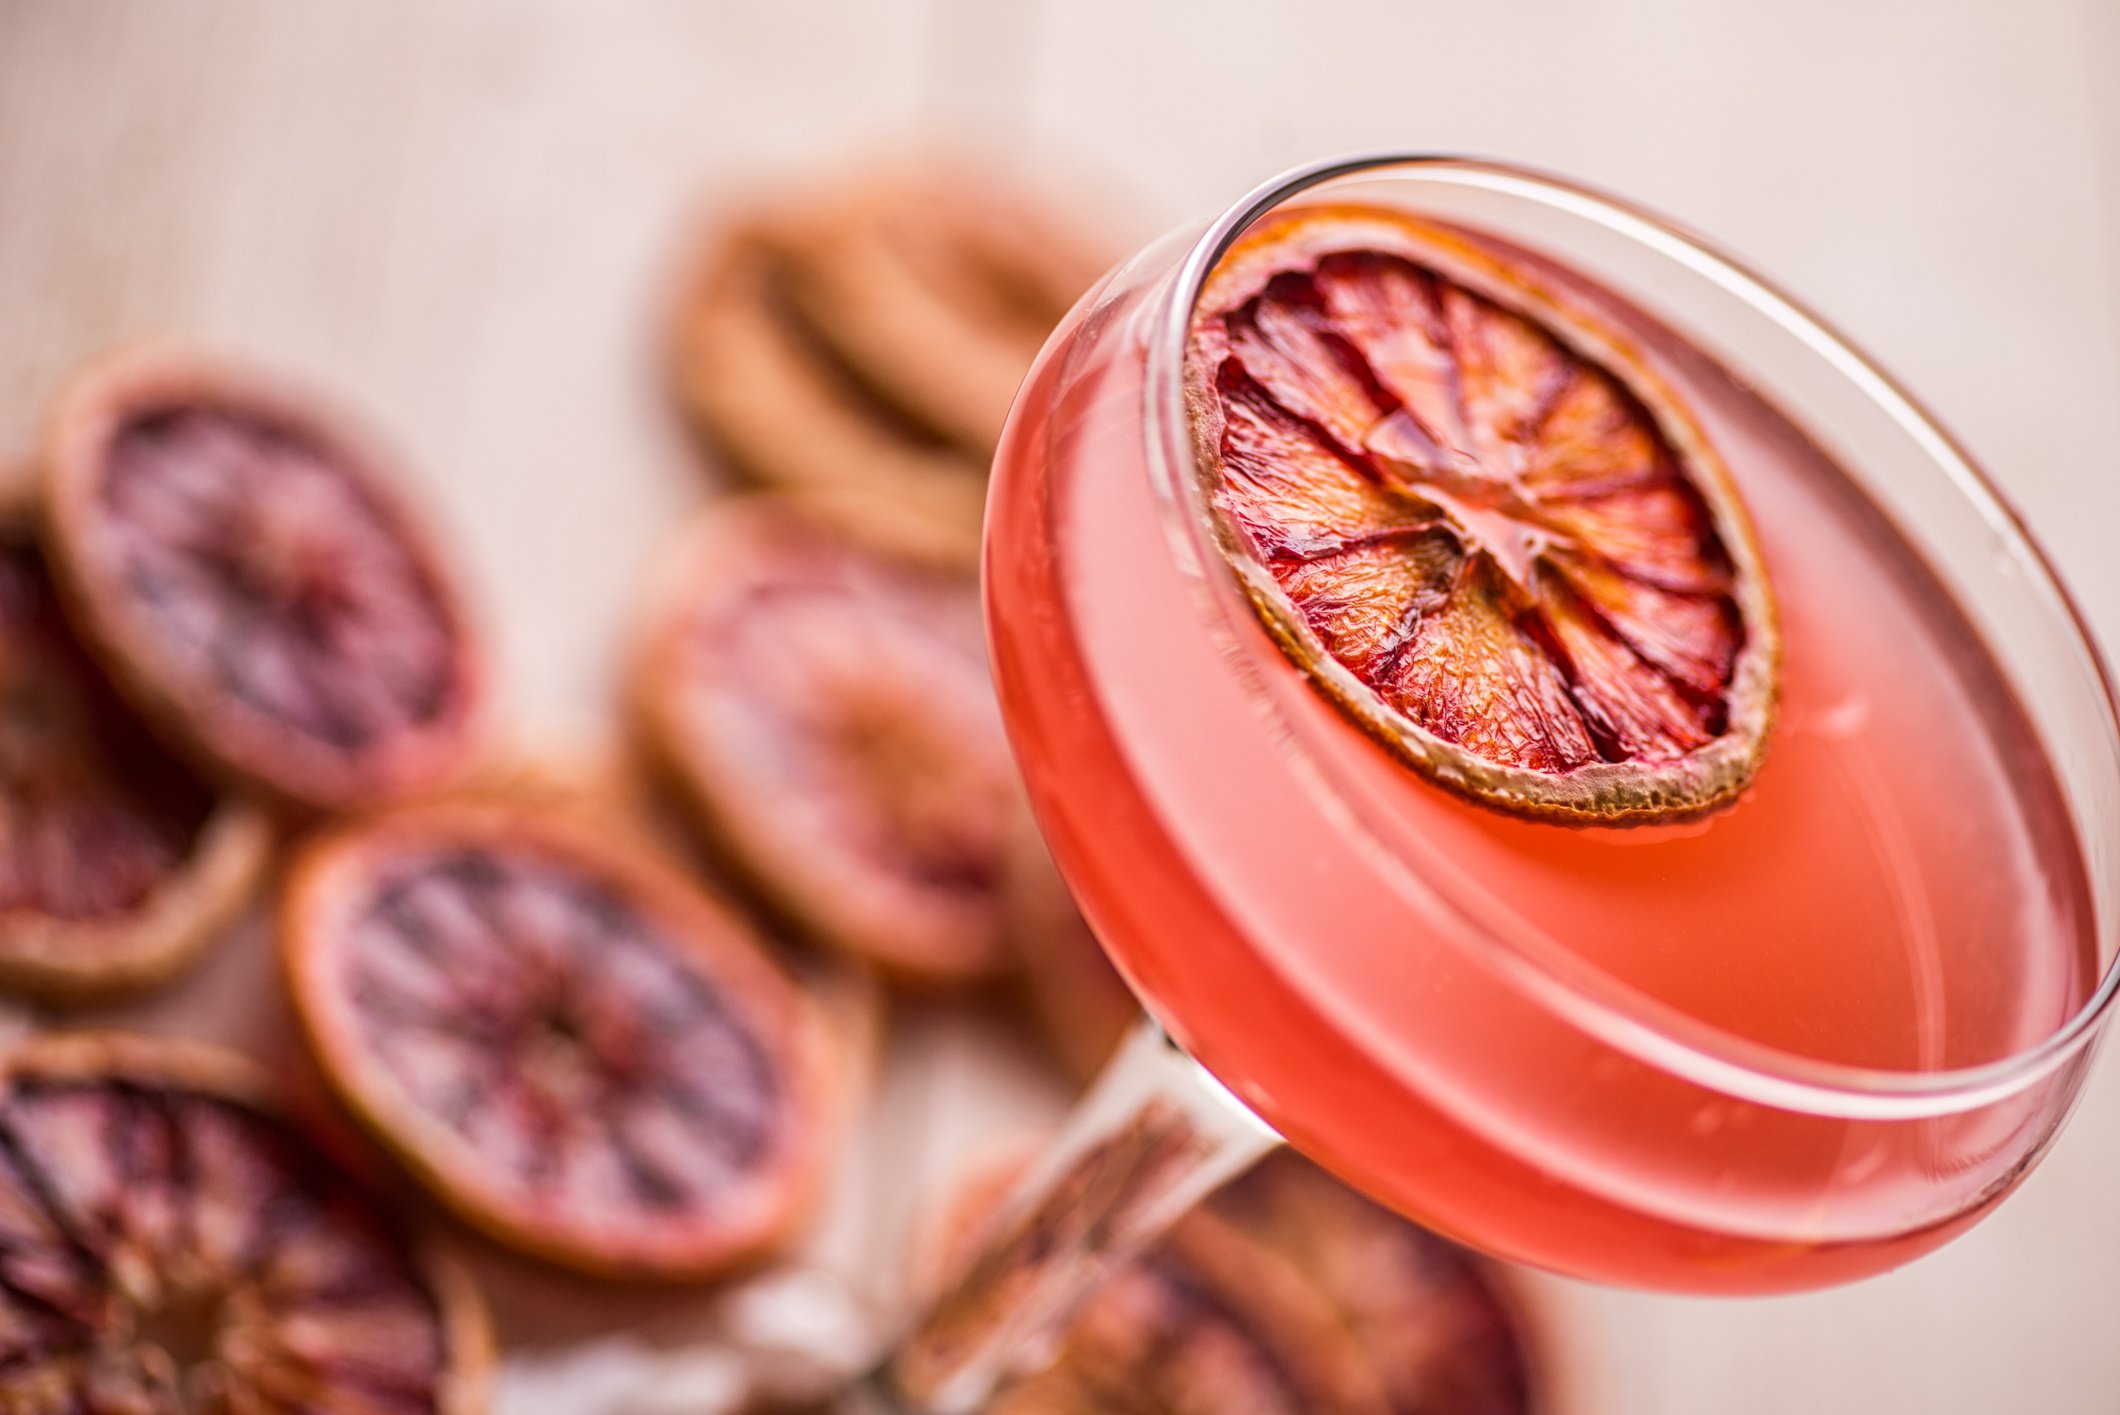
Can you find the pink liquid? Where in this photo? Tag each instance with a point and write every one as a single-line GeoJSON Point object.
{"type": "Point", "coordinates": [1901, 889]}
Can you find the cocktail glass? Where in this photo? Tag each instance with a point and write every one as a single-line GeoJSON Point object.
{"type": "Point", "coordinates": [1318, 970]}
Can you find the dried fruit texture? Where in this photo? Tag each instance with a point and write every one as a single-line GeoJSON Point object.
{"type": "Point", "coordinates": [783, 414]}
{"type": "Point", "coordinates": [568, 1041]}
{"type": "Point", "coordinates": [939, 288]}
{"type": "Point", "coordinates": [1081, 1004]}
{"type": "Point", "coordinates": [1209, 1322]}
{"type": "Point", "coordinates": [117, 865]}
{"type": "Point", "coordinates": [826, 715]}
{"type": "Point", "coordinates": [1444, 1337]}
{"type": "Point", "coordinates": [1480, 522]}
{"type": "Point", "coordinates": [237, 560]}
{"type": "Point", "coordinates": [858, 352]}
{"type": "Point", "coordinates": [168, 1243]}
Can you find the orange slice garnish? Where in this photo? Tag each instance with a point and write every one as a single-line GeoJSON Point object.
{"type": "Point", "coordinates": [1479, 522]}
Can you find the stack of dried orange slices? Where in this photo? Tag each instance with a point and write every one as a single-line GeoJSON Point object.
{"type": "Point", "coordinates": [810, 685]}
{"type": "Point", "coordinates": [856, 347]}
{"type": "Point", "coordinates": [225, 629]}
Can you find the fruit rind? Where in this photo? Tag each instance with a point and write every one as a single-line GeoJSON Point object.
{"type": "Point", "coordinates": [331, 874]}
{"type": "Point", "coordinates": [1598, 793]}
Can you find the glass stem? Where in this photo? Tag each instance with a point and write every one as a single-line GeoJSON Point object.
{"type": "Point", "coordinates": [1155, 1135]}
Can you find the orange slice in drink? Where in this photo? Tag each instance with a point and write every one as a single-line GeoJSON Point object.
{"type": "Point", "coordinates": [1479, 522]}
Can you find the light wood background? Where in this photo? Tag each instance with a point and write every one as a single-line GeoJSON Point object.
{"type": "Point", "coordinates": [464, 216]}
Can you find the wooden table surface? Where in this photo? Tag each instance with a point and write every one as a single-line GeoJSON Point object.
{"type": "Point", "coordinates": [464, 217]}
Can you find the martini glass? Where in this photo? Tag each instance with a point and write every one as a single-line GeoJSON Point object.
{"type": "Point", "coordinates": [1915, 902]}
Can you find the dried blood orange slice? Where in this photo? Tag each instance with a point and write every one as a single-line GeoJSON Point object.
{"type": "Point", "coordinates": [169, 1243]}
{"type": "Point", "coordinates": [770, 397]}
{"type": "Point", "coordinates": [826, 715]}
{"type": "Point", "coordinates": [1479, 521]}
{"type": "Point", "coordinates": [1210, 1320]}
{"type": "Point", "coordinates": [1207, 1322]}
{"type": "Point", "coordinates": [238, 560]}
{"type": "Point", "coordinates": [564, 1038]}
{"type": "Point", "coordinates": [939, 286]}
{"type": "Point", "coordinates": [1440, 1326]}
{"type": "Point", "coordinates": [117, 865]}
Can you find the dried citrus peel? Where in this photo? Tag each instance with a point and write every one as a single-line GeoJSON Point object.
{"type": "Point", "coordinates": [1479, 522]}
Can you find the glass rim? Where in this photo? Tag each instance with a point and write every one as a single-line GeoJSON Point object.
{"type": "Point", "coordinates": [1616, 1013]}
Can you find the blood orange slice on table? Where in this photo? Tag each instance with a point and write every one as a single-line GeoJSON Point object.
{"type": "Point", "coordinates": [1287, 1291]}
{"type": "Point", "coordinates": [170, 1242]}
{"type": "Point", "coordinates": [826, 715]}
{"type": "Point", "coordinates": [239, 561]}
{"type": "Point", "coordinates": [782, 412]}
{"type": "Point", "coordinates": [938, 286]}
{"type": "Point", "coordinates": [117, 864]}
{"type": "Point", "coordinates": [1209, 1320]}
{"type": "Point", "coordinates": [1479, 521]}
{"type": "Point", "coordinates": [855, 345]}
{"type": "Point", "coordinates": [568, 1041]}
{"type": "Point", "coordinates": [1440, 1325]}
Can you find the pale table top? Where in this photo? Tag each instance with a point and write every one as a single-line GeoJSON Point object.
{"type": "Point", "coordinates": [464, 217]}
